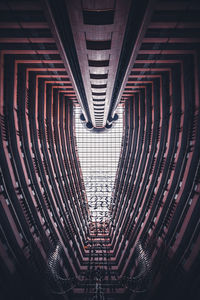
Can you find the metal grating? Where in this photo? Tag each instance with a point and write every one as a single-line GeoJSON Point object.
{"type": "Point", "coordinates": [99, 153]}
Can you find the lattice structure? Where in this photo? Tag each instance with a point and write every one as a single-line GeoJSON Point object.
{"type": "Point", "coordinates": [99, 153]}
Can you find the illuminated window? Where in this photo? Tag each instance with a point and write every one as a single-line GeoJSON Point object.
{"type": "Point", "coordinates": [99, 153]}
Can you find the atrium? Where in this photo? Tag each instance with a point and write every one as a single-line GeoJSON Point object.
{"type": "Point", "coordinates": [99, 150]}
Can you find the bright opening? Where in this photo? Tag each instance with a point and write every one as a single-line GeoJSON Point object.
{"type": "Point", "coordinates": [99, 154]}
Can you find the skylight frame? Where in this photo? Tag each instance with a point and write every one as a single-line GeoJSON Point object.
{"type": "Point", "coordinates": [99, 155]}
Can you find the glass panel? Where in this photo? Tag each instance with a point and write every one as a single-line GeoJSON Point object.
{"type": "Point", "coordinates": [99, 157]}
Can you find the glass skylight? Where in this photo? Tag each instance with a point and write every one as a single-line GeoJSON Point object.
{"type": "Point", "coordinates": [99, 153]}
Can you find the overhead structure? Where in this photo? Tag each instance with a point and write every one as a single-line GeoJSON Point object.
{"type": "Point", "coordinates": [128, 74]}
{"type": "Point", "coordinates": [98, 29]}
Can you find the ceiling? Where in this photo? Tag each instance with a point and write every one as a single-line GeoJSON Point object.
{"type": "Point", "coordinates": [59, 59]}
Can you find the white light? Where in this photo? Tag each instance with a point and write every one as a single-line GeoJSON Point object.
{"type": "Point", "coordinates": [98, 154]}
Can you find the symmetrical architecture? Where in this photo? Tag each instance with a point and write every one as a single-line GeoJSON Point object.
{"type": "Point", "coordinates": [99, 149]}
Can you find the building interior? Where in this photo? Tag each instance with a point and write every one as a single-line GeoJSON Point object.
{"type": "Point", "coordinates": [99, 150]}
